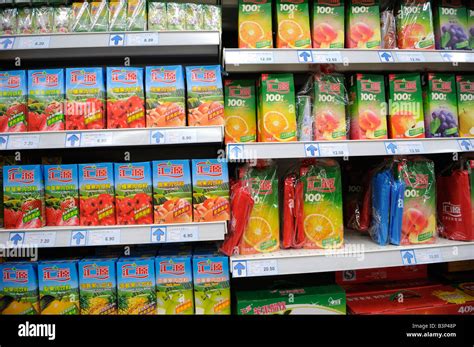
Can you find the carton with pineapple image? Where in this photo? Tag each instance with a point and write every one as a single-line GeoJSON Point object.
{"type": "Point", "coordinates": [292, 17]}
{"type": "Point", "coordinates": [328, 24]}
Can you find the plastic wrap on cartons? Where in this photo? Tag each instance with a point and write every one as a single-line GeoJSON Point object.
{"type": "Point", "coordinates": [8, 21]}
{"type": "Point", "coordinates": [212, 18]}
{"type": "Point", "coordinates": [136, 15]}
{"type": "Point", "coordinates": [61, 19]}
{"type": "Point", "coordinates": [26, 23]}
{"type": "Point", "coordinates": [157, 16]}
{"type": "Point", "coordinates": [194, 16]}
{"type": "Point", "coordinates": [176, 16]}
{"type": "Point", "coordinates": [44, 19]}
{"type": "Point", "coordinates": [304, 118]}
{"type": "Point", "coordinates": [99, 16]}
{"type": "Point", "coordinates": [381, 198]}
{"type": "Point", "coordinates": [81, 17]}
{"type": "Point", "coordinates": [388, 30]}
{"type": "Point", "coordinates": [118, 15]}
{"type": "Point", "coordinates": [415, 25]}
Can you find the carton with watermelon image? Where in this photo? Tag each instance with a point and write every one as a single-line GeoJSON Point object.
{"type": "Point", "coordinates": [415, 25]}
{"type": "Point", "coordinates": [363, 24]}
{"type": "Point", "coordinates": [328, 24]}
{"type": "Point", "coordinates": [465, 94]}
{"type": "Point", "coordinates": [13, 101]}
{"type": "Point", "coordinates": [19, 289]}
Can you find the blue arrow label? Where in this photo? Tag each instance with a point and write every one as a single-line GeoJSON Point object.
{"type": "Point", "coordinates": [386, 56]}
{"type": "Point", "coordinates": [3, 141]}
{"type": "Point", "coordinates": [16, 238]}
{"type": "Point", "coordinates": [236, 151]}
{"type": "Point", "coordinates": [311, 150]}
{"type": "Point", "coordinates": [116, 39]}
{"type": "Point", "coordinates": [465, 144]}
{"type": "Point", "coordinates": [408, 257]}
{"type": "Point", "coordinates": [78, 236]}
{"type": "Point", "coordinates": [73, 139]}
{"type": "Point", "coordinates": [447, 56]}
{"type": "Point", "coordinates": [6, 43]}
{"type": "Point", "coordinates": [157, 136]}
{"type": "Point", "coordinates": [305, 56]}
{"type": "Point", "coordinates": [239, 267]}
{"type": "Point", "coordinates": [159, 234]}
{"type": "Point", "coordinates": [391, 148]}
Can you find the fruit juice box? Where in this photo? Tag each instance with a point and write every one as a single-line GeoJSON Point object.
{"type": "Point", "coordinates": [157, 16]}
{"type": "Point", "coordinates": [194, 16]}
{"type": "Point", "coordinates": [7, 21]}
{"type": "Point", "coordinates": [174, 285]}
{"type": "Point", "coordinates": [136, 286]}
{"type": "Point", "coordinates": [165, 96]}
{"type": "Point", "coordinates": [23, 197]}
{"type": "Point", "coordinates": [98, 286]}
{"type": "Point", "coordinates": [363, 24]}
{"type": "Point", "coordinates": [406, 118]}
{"type": "Point", "coordinates": [81, 17]}
{"type": "Point", "coordinates": [255, 24]}
{"type": "Point", "coordinates": [133, 191]}
{"type": "Point", "coordinates": [211, 284]}
{"type": "Point", "coordinates": [240, 111]}
{"type": "Point", "coordinates": [136, 15]}
{"type": "Point", "coordinates": [19, 289]}
{"type": "Point", "coordinates": [96, 193]}
{"type": "Point", "coordinates": [328, 24]}
{"type": "Point", "coordinates": [46, 100]}
{"type": "Point", "coordinates": [368, 107]}
{"type": "Point", "coordinates": [44, 19]}
{"type": "Point", "coordinates": [205, 95]}
{"type": "Point", "coordinates": [26, 23]}
{"type": "Point", "coordinates": [465, 94]}
{"type": "Point", "coordinates": [59, 287]}
{"type": "Point", "coordinates": [85, 98]}
{"type": "Point", "coordinates": [415, 25]}
{"type": "Point", "coordinates": [210, 190]}
{"type": "Point", "coordinates": [13, 101]}
{"type": "Point", "coordinates": [212, 18]}
{"type": "Point", "coordinates": [125, 97]}
{"type": "Point", "coordinates": [276, 108]}
{"type": "Point", "coordinates": [329, 107]}
{"type": "Point", "coordinates": [118, 15]}
{"type": "Point", "coordinates": [176, 16]}
{"type": "Point", "coordinates": [441, 105]}
{"type": "Point", "coordinates": [292, 17]}
{"type": "Point", "coordinates": [172, 191]}
{"type": "Point", "coordinates": [99, 16]}
{"type": "Point", "coordinates": [451, 28]}
{"type": "Point", "coordinates": [61, 21]}
{"type": "Point", "coordinates": [470, 23]}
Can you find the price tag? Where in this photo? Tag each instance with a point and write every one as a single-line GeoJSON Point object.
{"type": "Point", "coordinates": [40, 238]}
{"type": "Point", "coordinates": [103, 237]}
{"type": "Point", "coordinates": [182, 234]}
{"type": "Point", "coordinates": [411, 57]}
{"type": "Point", "coordinates": [428, 255]}
{"type": "Point", "coordinates": [262, 268]}
{"type": "Point", "coordinates": [142, 39]}
{"type": "Point", "coordinates": [455, 57]}
{"type": "Point", "coordinates": [256, 57]}
{"type": "Point", "coordinates": [34, 42]}
{"type": "Point", "coordinates": [181, 136]}
{"type": "Point", "coordinates": [410, 147]}
{"type": "Point", "coordinates": [333, 150]}
{"type": "Point", "coordinates": [23, 141]}
{"type": "Point", "coordinates": [327, 57]}
{"type": "Point", "coordinates": [97, 139]}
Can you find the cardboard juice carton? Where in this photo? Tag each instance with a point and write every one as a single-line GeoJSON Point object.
{"type": "Point", "coordinates": [194, 16]}
{"type": "Point", "coordinates": [210, 190]}
{"type": "Point", "coordinates": [157, 16]}
{"type": "Point", "coordinates": [465, 94]}
{"type": "Point", "coordinates": [118, 15]}
{"type": "Point", "coordinates": [212, 17]}
{"type": "Point", "coordinates": [276, 108]}
{"type": "Point", "coordinates": [176, 16]}
{"type": "Point", "coordinates": [19, 288]}
{"type": "Point", "coordinates": [125, 97]}
{"type": "Point", "coordinates": [415, 25]}
{"type": "Point", "coordinates": [172, 191]}
{"type": "Point", "coordinates": [23, 197]}
{"type": "Point", "coordinates": [99, 16]}
{"type": "Point", "coordinates": [80, 17]}
{"type": "Point", "coordinates": [451, 25]}
{"type": "Point", "coordinates": [368, 107]}
{"type": "Point", "coordinates": [98, 286]}
{"type": "Point", "coordinates": [363, 24]}
{"type": "Point", "coordinates": [205, 95]}
{"type": "Point", "coordinates": [133, 191]}
{"type": "Point", "coordinates": [46, 100]}
{"type": "Point", "coordinates": [85, 98]}
{"type": "Point", "coordinates": [136, 285]}
{"type": "Point", "coordinates": [59, 287]}
{"type": "Point", "coordinates": [292, 17]}
{"type": "Point", "coordinates": [406, 118]}
{"type": "Point", "coordinates": [470, 23]}
{"type": "Point", "coordinates": [328, 24]}
{"type": "Point", "coordinates": [240, 111]}
{"type": "Point", "coordinates": [165, 96]}
{"type": "Point", "coordinates": [97, 194]}
{"type": "Point", "coordinates": [136, 15]}
{"type": "Point", "coordinates": [255, 24]}
{"type": "Point", "coordinates": [13, 101]}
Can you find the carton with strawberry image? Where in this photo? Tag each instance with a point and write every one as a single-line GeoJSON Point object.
{"type": "Point", "coordinates": [328, 24]}
{"type": "Point", "coordinates": [415, 25]}
{"type": "Point", "coordinates": [133, 193]}
{"type": "Point", "coordinates": [363, 24]}
{"type": "Point", "coordinates": [125, 98]}
{"type": "Point", "coordinates": [23, 197]}
{"type": "Point", "coordinates": [46, 100]}
{"type": "Point", "coordinates": [13, 101]}
{"type": "Point", "coordinates": [61, 194]}
{"type": "Point", "coordinates": [97, 194]}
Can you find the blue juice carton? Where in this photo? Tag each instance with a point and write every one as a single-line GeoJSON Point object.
{"type": "Point", "coordinates": [13, 101]}
{"type": "Point", "coordinates": [19, 289]}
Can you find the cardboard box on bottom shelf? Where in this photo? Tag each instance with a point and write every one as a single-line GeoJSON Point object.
{"type": "Point", "coordinates": [381, 274]}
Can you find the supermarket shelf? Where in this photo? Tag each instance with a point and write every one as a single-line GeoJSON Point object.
{"type": "Point", "coordinates": [359, 252]}
{"type": "Point", "coordinates": [111, 138]}
{"type": "Point", "coordinates": [295, 60]}
{"type": "Point", "coordinates": [278, 150]}
{"type": "Point", "coordinates": [50, 237]}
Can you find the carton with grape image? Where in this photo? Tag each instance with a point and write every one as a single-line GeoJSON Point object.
{"type": "Point", "coordinates": [465, 95]}
{"type": "Point", "coordinates": [363, 24]}
{"type": "Point", "coordinates": [255, 24]}
{"type": "Point", "coordinates": [19, 289]}
{"type": "Point", "coordinates": [451, 28]}
{"type": "Point", "coordinates": [328, 24]}
{"type": "Point", "coordinates": [470, 23]}
{"type": "Point", "coordinates": [292, 17]}
{"type": "Point", "coordinates": [415, 25]}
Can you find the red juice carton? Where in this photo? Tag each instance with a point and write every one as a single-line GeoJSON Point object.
{"type": "Point", "coordinates": [125, 97]}
{"type": "Point", "coordinates": [46, 100]}
{"type": "Point", "coordinates": [23, 197]}
{"type": "Point", "coordinates": [133, 193]}
{"type": "Point", "coordinates": [96, 194]}
{"type": "Point", "coordinates": [61, 194]}
{"type": "Point", "coordinates": [19, 289]}
{"type": "Point", "coordinates": [13, 101]}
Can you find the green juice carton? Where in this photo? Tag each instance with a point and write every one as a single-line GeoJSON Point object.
{"type": "Point", "coordinates": [176, 15]}
{"type": "Point", "coordinates": [194, 16]}
{"type": "Point", "coordinates": [157, 16]}
{"type": "Point", "coordinates": [415, 25]}
{"type": "Point", "coordinates": [465, 94]}
{"type": "Point", "coordinates": [328, 24]}
{"type": "Point", "coordinates": [118, 15]}
{"type": "Point", "coordinates": [212, 18]}
{"type": "Point", "coordinates": [451, 25]}
{"type": "Point", "coordinates": [470, 23]}
{"type": "Point", "coordinates": [363, 24]}
{"type": "Point", "coordinates": [99, 16]}
{"type": "Point", "coordinates": [19, 289]}
{"type": "Point", "coordinates": [255, 24]}
{"type": "Point", "coordinates": [136, 15]}
{"type": "Point", "coordinates": [81, 17]}
{"type": "Point", "coordinates": [292, 17]}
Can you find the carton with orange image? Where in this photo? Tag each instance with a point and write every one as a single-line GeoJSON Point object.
{"type": "Point", "coordinates": [255, 24]}
{"type": "Point", "coordinates": [293, 24]}
{"type": "Point", "coordinates": [363, 24]}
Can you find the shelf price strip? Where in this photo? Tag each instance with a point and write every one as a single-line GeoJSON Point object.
{"type": "Point", "coordinates": [421, 256]}
{"type": "Point", "coordinates": [33, 239]}
{"type": "Point", "coordinates": [163, 234]}
{"type": "Point", "coordinates": [251, 268]}
{"type": "Point", "coordinates": [404, 147]}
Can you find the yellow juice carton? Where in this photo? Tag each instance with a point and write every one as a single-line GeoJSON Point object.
{"type": "Point", "coordinates": [255, 24]}
{"type": "Point", "coordinates": [293, 24]}
{"type": "Point", "coordinates": [19, 288]}
{"type": "Point", "coordinates": [465, 89]}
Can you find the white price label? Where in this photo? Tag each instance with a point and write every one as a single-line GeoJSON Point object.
{"type": "Point", "coordinates": [410, 147]}
{"type": "Point", "coordinates": [97, 139]}
{"type": "Point", "coordinates": [410, 57]}
{"type": "Point", "coordinates": [428, 255]}
{"type": "Point", "coordinates": [333, 150]}
{"type": "Point", "coordinates": [262, 268]}
{"type": "Point", "coordinates": [102, 237]}
{"type": "Point", "coordinates": [455, 57]}
{"type": "Point", "coordinates": [327, 57]}
{"type": "Point", "coordinates": [23, 141]}
{"type": "Point", "coordinates": [256, 57]}
{"type": "Point", "coordinates": [181, 136]}
{"type": "Point", "coordinates": [182, 234]}
{"type": "Point", "coordinates": [34, 42]}
{"type": "Point", "coordinates": [142, 39]}
{"type": "Point", "coordinates": [40, 238]}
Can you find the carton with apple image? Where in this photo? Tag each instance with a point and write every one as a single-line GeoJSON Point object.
{"type": "Point", "coordinates": [415, 25]}
{"type": "Point", "coordinates": [363, 24]}
{"type": "Point", "coordinates": [328, 24]}
{"type": "Point", "coordinates": [465, 94]}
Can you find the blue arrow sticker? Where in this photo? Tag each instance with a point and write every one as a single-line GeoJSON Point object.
{"type": "Point", "coordinates": [235, 151]}
{"type": "Point", "coordinates": [73, 139]}
{"type": "Point", "coordinates": [158, 234]}
{"type": "Point", "coordinates": [391, 148]}
{"type": "Point", "coordinates": [116, 40]}
{"type": "Point", "coordinates": [386, 57]}
{"type": "Point", "coordinates": [78, 238]}
{"type": "Point", "coordinates": [3, 142]}
{"type": "Point", "coordinates": [311, 150]}
{"type": "Point", "coordinates": [17, 238]}
{"type": "Point", "coordinates": [7, 43]}
{"type": "Point", "coordinates": [239, 268]}
{"type": "Point", "coordinates": [408, 257]}
{"type": "Point", "coordinates": [465, 145]}
{"type": "Point", "coordinates": [157, 137]}
{"type": "Point", "coordinates": [305, 57]}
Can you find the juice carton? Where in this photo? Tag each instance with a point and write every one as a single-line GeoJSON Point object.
{"type": "Point", "coordinates": [23, 197]}
{"type": "Point", "coordinates": [81, 17]}
{"type": "Point", "coordinates": [44, 19]}
{"type": "Point", "coordinates": [165, 96]}
{"type": "Point", "coordinates": [205, 95]}
{"type": "Point", "coordinates": [292, 17]}
{"type": "Point", "coordinates": [61, 194]}
{"type": "Point", "coordinates": [363, 24]}
{"type": "Point", "coordinates": [451, 26]}
{"type": "Point", "coordinates": [212, 17]}
{"type": "Point", "coordinates": [136, 15]}
{"type": "Point", "coordinates": [368, 107]}
{"type": "Point", "coordinates": [441, 106]}
{"type": "Point", "coordinates": [406, 118]}
{"type": "Point", "coordinates": [136, 286]}
{"type": "Point", "coordinates": [19, 288]}
{"type": "Point", "coordinates": [13, 101]}
{"type": "Point", "coordinates": [415, 25]}
{"type": "Point", "coordinates": [118, 15]}
{"type": "Point", "coordinates": [210, 190]}
{"type": "Point", "coordinates": [255, 24]}
{"type": "Point", "coordinates": [211, 284]}
{"type": "Point", "coordinates": [61, 16]}
{"type": "Point", "coordinates": [157, 16]}
{"type": "Point", "coordinates": [85, 98]}
{"type": "Point", "coordinates": [329, 107]}
{"type": "Point", "coordinates": [133, 191]}
{"type": "Point", "coordinates": [194, 16]}
{"type": "Point", "coordinates": [26, 23]}
{"type": "Point", "coordinates": [46, 100]}
{"type": "Point", "coordinates": [328, 24]}
{"type": "Point", "coordinates": [176, 16]}
{"type": "Point", "coordinates": [99, 16]}
{"type": "Point", "coordinates": [125, 97]}
{"type": "Point", "coordinates": [240, 111]}
{"type": "Point", "coordinates": [7, 21]}
{"type": "Point", "coordinates": [470, 23]}
{"type": "Point", "coordinates": [98, 285]}
{"type": "Point", "coordinates": [174, 285]}
{"type": "Point", "coordinates": [276, 108]}
{"type": "Point", "coordinates": [172, 191]}
{"type": "Point", "coordinates": [96, 193]}
{"type": "Point", "coordinates": [465, 93]}
{"type": "Point", "coordinates": [59, 287]}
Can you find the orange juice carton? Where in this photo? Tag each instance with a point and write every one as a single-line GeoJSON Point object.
{"type": "Point", "coordinates": [292, 17]}
{"type": "Point", "coordinates": [363, 24]}
{"type": "Point", "coordinates": [19, 288]}
{"type": "Point", "coordinates": [328, 24]}
{"type": "Point", "coordinates": [255, 24]}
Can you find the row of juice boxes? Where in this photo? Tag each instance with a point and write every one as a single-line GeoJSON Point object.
{"type": "Point", "coordinates": [75, 98]}
{"type": "Point", "coordinates": [116, 193]}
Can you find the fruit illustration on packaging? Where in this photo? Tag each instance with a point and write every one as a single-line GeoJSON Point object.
{"type": "Point", "coordinates": [293, 24]}
{"type": "Point", "coordinates": [360, 34]}
{"type": "Point", "coordinates": [19, 288]}
{"type": "Point", "coordinates": [465, 96]}
{"type": "Point", "coordinates": [410, 35]}
{"type": "Point", "coordinates": [328, 24]}
{"type": "Point", "coordinates": [363, 24]}
{"type": "Point", "coordinates": [415, 25]}
{"type": "Point", "coordinates": [255, 24]}
{"type": "Point", "coordinates": [13, 101]}
{"type": "Point", "coordinates": [326, 123]}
